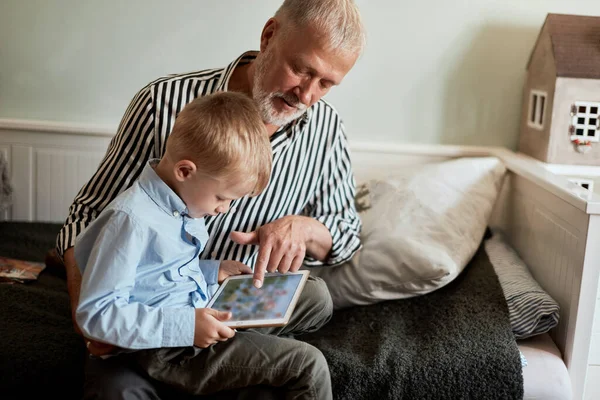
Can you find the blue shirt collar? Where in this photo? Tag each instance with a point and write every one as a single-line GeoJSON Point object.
{"type": "Point", "coordinates": [164, 197]}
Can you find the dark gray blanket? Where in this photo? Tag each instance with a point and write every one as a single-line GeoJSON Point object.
{"type": "Point", "coordinates": [40, 353]}
{"type": "Point", "coordinates": [455, 343]}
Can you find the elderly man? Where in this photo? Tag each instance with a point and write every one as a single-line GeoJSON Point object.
{"type": "Point", "coordinates": [306, 215]}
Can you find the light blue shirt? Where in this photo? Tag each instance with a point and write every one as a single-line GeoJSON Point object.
{"type": "Point", "coordinates": [141, 274]}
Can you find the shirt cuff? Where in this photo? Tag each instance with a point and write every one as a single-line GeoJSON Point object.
{"type": "Point", "coordinates": [178, 326]}
{"type": "Point", "coordinates": [336, 258]}
{"type": "Point", "coordinates": [64, 240]}
{"type": "Point", "coordinates": [210, 270]}
{"type": "Point", "coordinates": [345, 242]}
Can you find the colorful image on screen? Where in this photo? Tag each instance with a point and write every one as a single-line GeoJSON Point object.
{"type": "Point", "coordinates": [247, 302]}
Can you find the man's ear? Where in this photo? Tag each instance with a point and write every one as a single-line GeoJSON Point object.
{"type": "Point", "coordinates": [268, 33]}
{"type": "Point", "coordinates": [184, 169]}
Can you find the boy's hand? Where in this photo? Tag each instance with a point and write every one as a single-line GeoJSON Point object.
{"type": "Point", "coordinates": [232, 267]}
{"type": "Point", "coordinates": [209, 327]}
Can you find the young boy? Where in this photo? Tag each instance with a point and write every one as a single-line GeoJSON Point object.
{"type": "Point", "coordinates": [144, 288]}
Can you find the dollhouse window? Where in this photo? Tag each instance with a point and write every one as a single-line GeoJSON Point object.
{"type": "Point", "coordinates": [584, 183]}
{"type": "Point", "coordinates": [537, 108]}
{"type": "Point", "coordinates": [585, 122]}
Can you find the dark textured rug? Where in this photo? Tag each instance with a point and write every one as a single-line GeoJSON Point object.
{"type": "Point", "coordinates": [40, 353]}
{"type": "Point", "coordinates": [454, 343]}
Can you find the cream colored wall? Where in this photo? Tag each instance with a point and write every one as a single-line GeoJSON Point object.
{"type": "Point", "coordinates": [435, 71]}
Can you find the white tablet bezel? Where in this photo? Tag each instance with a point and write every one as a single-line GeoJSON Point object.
{"type": "Point", "coordinates": [260, 323]}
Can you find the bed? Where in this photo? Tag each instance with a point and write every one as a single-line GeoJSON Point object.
{"type": "Point", "coordinates": [453, 341]}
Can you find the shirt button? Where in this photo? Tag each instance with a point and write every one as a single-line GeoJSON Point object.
{"type": "Point", "coordinates": [233, 209]}
{"type": "Point", "coordinates": [176, 214]}
{"type": "Point", "coordinates": [213, 254]}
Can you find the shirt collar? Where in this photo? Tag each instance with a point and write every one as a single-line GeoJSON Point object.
{"type": "Point", "coordinates": [164, 197]}
{"type": "Point", "coordinates": [245, 58]}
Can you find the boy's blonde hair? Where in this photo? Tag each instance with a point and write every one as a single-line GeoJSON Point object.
{"type": "Point", "coordinates": [224, 135]}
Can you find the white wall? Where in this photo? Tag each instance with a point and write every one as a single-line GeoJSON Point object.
{"type": "Point", "coordinates": [435, 71]}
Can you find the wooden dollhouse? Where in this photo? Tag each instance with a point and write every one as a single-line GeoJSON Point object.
{"type": "Point", "coordinates": [560, 122]}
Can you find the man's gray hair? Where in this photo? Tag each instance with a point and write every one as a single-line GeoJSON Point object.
{"type": "Point", "coordinates": [338, 20]}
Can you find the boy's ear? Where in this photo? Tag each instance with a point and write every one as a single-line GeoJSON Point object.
{"type": "Point", "coordinates": [184, 169]}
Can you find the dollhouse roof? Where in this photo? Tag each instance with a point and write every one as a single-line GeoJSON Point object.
{"type": "Point", "coordinates": [575, 44]}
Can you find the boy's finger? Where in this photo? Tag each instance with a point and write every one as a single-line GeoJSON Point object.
{"type": "Point", "coordinates": [223, 315]}
{"type": "Point", "coordinates": [244, 269]}
{"type": "Point", "coordinates": [220, 315]}
{"type": "Point", "coordinates": [226, 333]}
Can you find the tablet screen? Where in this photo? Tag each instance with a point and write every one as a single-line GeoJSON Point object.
{"type": "Point", "coordinates": [247, 303]}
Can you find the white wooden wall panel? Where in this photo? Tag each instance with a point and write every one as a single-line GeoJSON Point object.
{"type": "Point", "coordinates": [6, 214]}
{"type": "Point", "coordinates": [595, 350]}
{"type": "Point", "coordinates": [592, 388]}
{"type": "Point", "coordinates": [23, 183]}
{"type": "Point", "coordinates": [48, 167]}
{"type": "Point", "coordinates": [589, 291]}
{"type": "Point", "coordinates": [59, 174]}
{"type": "Point", "coordinates": [551, 237]}
{"type": "Point", "coordinates": [596, 329]}
{"type": "Point", "coordinates": [595, 346]}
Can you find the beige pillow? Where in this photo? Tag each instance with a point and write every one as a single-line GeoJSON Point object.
{"type": "Point", "coordinates": [421, 226]}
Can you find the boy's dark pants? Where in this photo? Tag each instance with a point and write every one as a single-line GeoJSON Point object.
{"type": "Point", "coordinates": [254, 357]}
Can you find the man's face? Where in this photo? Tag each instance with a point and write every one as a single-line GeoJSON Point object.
{"type": "Point", "coordinates": [293, 72]}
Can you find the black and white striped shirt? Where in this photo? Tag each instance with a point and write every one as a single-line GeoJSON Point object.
{"type": "Point", "coordinates": [312, 174]}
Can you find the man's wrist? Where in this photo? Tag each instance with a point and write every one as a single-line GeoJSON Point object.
{"type": "Point", "coordinates": [317, 237]}
{"type": "Point", "coordinates": [307, 227]}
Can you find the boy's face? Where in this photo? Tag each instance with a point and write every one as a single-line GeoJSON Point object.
{"type": "Point", "coordinates": [204, 195]}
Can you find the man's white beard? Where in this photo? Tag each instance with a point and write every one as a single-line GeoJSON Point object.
{"type": "Point", "coordinates": [265, 100]}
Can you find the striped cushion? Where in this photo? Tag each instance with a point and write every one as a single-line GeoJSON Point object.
{"type": "Point", "coordinates": [532, 310]}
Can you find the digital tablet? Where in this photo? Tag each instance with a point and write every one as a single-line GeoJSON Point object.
{"type": "Point", "coordinates": [271, 305]}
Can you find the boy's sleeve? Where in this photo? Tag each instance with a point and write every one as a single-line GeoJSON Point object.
{"type": "Point", "coordinates": [108, 252]}
{"type": "Point", "coordinates": [334, 206]}
{"type": "Point", "coordinates": [210, 270]}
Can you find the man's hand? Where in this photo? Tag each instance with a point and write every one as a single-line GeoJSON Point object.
{"type": "Point", "coordinates": [231, 267]}
{"type": "Point", "coordinates": [284, 243]}
{"type": "Point", "coordinates": [209, 327]}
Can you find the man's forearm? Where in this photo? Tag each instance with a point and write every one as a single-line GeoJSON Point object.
{"type": "Point", "coordinates": [319, 242]}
